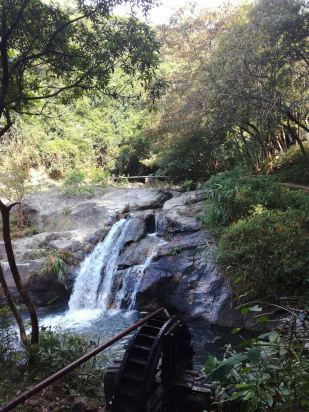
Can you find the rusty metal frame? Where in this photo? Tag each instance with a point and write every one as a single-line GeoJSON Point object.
{"type": "Point", "coordinates": [62, 372]}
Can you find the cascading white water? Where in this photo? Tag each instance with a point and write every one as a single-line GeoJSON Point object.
{"type": "Point", "coordinates": [94, 281]}
{"type": "Point", "coordinates": [133, 278]}
{"type": "Point", "coordinates": [94, 288]}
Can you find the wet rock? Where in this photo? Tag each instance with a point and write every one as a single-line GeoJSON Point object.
{"type": "Point", "coordinates": [46, 289]}
{"type": "Point", "coordinates": [136, 253]}
{"type": "Point", "coordinates": [181, 276]}
{"type": "Point", "coordinates": [188, 282]}
{"type": "Point", "coordinates": [216, 339]}
{"type": "Point", "coordinates": [98, 236]}
{"type": "Point", "coordinates": [148, 199]}
{"type": "Point", "coordinates": [135, 230]}
{"type": "Point", "coordinates": [180, 242]}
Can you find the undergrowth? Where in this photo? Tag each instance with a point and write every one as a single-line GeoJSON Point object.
{"type": "Point", "coordinates": [56, 350]}
{"type": "Point", "coordinates": [262, 232]}
{"type": "Point", "coordinates": [292, 166]}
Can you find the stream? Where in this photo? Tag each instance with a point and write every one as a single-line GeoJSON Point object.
{"type": "Point", "coordinates": [100, 326]}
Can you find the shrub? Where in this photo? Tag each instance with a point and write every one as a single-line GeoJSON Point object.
{"type": "Point", "coordinates": [75, 184]}
{"type": "Point", "coordinates": [55, 350]}
{"type": "Point", "coordinates": [292, 166]}
{"type": "Point", "coordinates": [75, 178]}
{"type": "Point", "coordinates": [98, 176]}
{"type": "Point", "coordinates": [270, 375]}
{"type": "Point", "coordinates": [268, 253]}
{"type": "Point", "coordinates": [55, 172]}
{"type": "Point", "coordinates": [235, 194]}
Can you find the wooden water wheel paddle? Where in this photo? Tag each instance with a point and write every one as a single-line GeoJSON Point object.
{"type": "Point", "coordinates": [156, 354]}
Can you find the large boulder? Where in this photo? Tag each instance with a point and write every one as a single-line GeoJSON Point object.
{"type": "Point", "coordinates": [185, 279]}
{"type": "Point", "coordinates": [136, 230]}
{"type": "Point", "coordinates": [182, 214]}
{"type": "Point", "coordinates": [43, 285]}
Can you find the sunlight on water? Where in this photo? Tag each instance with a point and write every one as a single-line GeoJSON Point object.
{"type": "Point", "coordinates": [72, 320]}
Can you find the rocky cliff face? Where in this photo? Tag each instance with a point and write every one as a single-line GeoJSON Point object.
{"type": "Point", "coordinates": [180, 272]}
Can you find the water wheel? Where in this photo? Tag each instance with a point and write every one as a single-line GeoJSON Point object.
{"type": "Point", "coordinates": [154, 357]}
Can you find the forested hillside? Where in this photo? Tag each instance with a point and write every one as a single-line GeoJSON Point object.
{"type": "Point", "coordinates": [233, 91]}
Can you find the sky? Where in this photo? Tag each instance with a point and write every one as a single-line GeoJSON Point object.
{"type": "Point", "coordinates": [162, 13]}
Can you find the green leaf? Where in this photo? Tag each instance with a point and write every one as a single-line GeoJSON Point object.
{"type": "Point", "coordinates": [263, 319]}
{"type": "Point", "coordinates": [211, 364]}
{"type": "Point", "coordinates": [235, 331]}
{"type": "Point", "coordinates": [254, 355]}
{"type": "Point", "coordinates": [225, 367]}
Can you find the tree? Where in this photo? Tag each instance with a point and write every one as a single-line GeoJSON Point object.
{"type": "Point", "coordinates": [53, 53]}
{"type": "Point", "coordinates": [238, 87]}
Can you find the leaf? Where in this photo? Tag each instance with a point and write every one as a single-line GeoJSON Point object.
{"type": "Point", "coordinates": [211, 364]}
{"type": "Point", "coordinates": [244, 311]}
{"type": "Point", "coordinates": [235, 331]}
{"type": "Point", "coordinates": [225, 367]}
{"type": "Point", "coordinates": [263, 319]}
{"type": "Point", "coordinates": [254, 355]}
{"type": "Point", "coordinates": [271, 336]}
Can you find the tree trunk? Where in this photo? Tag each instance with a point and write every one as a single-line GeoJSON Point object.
{"type": "Point", "coordinates": [298, 140]}
{"type": "Point", "coordinates": [13, 307]}
{"type": "Point", "coordinates": [5, 212]}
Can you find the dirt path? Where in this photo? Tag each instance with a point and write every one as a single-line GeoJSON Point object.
{"type": "Point", "coordinates": [305, 188]}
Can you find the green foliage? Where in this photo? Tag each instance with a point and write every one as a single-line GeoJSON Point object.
{"type": "Point", "coordinates": [16, 158]}
{"type": "Point", "coordinates": [188, 185]}
{"type": "Point", "coordinates": [75, 185]}
{"type": "Point", "coordinates": [270, 375]}
{"type": "Point", "coordinates": [75, 178]}
{"type": "Point", "coordinates": [262, 230]}
{"type": "Point", "coordinates": [237, 194]}
{"type": "Point", "coordinates": [58, 349]}
{"type": "Point", "coordinates": [92, 44]}
{"type": "Point", "coordinates": [291, 166]}
{"type": "Point", "coordinates": [55, 350]}
{"type": "Point", "coordinates": [267, 253]}
{"type": "Point", "coordinates": [56, 262]}
{"type": "Point", "coordinates": [238, 94]}
{"type": "Point", "coordinates": [98, 176]}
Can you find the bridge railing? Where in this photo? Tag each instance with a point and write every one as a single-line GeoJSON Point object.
{"type": "Point", "coordinates": [64, 371]}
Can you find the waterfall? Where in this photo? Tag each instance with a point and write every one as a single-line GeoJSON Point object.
{"type": "Point", "coordinates": [96, 286]}
{"type": "Point", "coordinates": [95, 278]}
{"type": "Point", "coordinates": [126, 296]}
{"type": "Point", "coordinates": [159, 223]}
